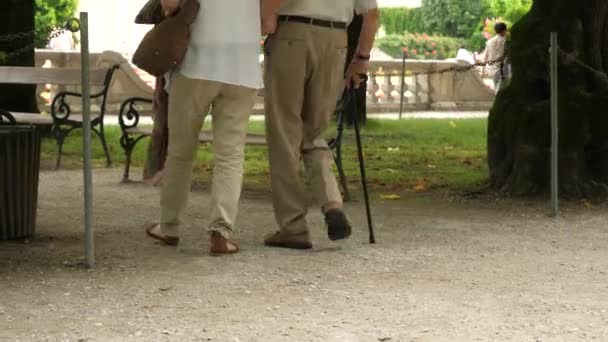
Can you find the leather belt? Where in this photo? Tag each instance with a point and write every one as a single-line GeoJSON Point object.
{"type": "Point", "coordinates": [312, 21]}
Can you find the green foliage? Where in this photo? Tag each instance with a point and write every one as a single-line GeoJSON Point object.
{"type": "Point", "coordinates": [51, 14]}
{"type": "Point", "coordinates": [419, 46]}
{"type": "Point", "coordinates": [510, 10]}
{"type": "Point", "coordinates": [401, 20]}
{"type": "Point", "coordinates": [454, 18]}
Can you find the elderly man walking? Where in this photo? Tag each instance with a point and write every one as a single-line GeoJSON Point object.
{"type": "Point", "coordinates": [220, 73]}
{"type": "Point", "coordinates": [304, 77]}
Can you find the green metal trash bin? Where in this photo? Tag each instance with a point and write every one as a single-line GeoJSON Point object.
{"type": "Point", "coordinates": [19, 172]}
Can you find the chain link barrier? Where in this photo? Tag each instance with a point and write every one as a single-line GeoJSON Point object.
{"type": "Point", "coordinates": [566, 57]}
{"type": "Point", "coordinates": [72, 25]}
{"type": "Point", "coordinates": [10, 37]}
{"type": "Point", "coordinates": [571, 58]}
{"type": "Point", "coordinates": [458, 68]}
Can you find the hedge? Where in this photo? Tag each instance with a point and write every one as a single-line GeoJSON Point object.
{"type": "Point", "coordinates": [401, 20]}
{"type": "Point", "coordinates": [419, 46]}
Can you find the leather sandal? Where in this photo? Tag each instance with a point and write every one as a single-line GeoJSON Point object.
{"type": "Point", "coordinates": [155, 231]}
{"type": "Point", "coordinates": [222, 246]}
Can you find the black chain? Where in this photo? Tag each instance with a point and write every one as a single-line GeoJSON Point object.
{"type": "Point", "coordinates": [462, 68]}
{"type": "Point", "coordinates": [72, 25]}
{"type": "Point", "coordinates": [571, 58]}
{"type": "Point", "coordinates": [13, 54]}
{"type": "Point", "coordinates": [454, 69]}
{"type": "Point", "coordinates": [7, 38]}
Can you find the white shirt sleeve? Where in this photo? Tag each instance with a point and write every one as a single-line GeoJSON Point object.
{"type": "Point", "coordinates": [363, 6]}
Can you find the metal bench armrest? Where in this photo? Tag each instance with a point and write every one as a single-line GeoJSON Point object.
{"type": "Point", "coordinates": [128, 116]}
{"type": "Point", "coordinates": [7, 118]}
{"type": "Point", "coordinates": [60, 108]}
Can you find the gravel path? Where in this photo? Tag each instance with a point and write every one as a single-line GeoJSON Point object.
{"type": "Point", "coordinates": [445, 269]}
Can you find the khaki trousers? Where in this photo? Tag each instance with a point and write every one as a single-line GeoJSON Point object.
{"type": "Point", "coordinates": [189, 102]}
{"type": "Point", "coordinates": [304, 77]}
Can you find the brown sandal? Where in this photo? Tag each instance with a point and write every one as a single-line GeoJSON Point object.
{"type": "Point", "coordinates": [222, 246]}
{"type": "Point", "coordinates": [165, 239]}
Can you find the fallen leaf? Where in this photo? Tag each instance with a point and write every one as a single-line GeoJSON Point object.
{"type": "Point", "coordinates": [390, 197]}
{"type": "Point", "coordinates": [420, 187]}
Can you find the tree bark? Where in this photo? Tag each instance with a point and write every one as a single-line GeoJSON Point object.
{"type": "Point", "coordinates": [18, 16]}
{"type": "Point", "coordinates": [519, 124]}
{"type": "Point", "coordinates": [354, 31]}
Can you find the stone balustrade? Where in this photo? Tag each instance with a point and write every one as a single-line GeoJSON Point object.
{"type": "Point", "coordinates": [453, 90]}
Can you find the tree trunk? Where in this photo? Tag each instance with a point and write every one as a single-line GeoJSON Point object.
{"type": "Point", "coordinates": [519, 124]}
{"type": "Point", "coordinates": [354, 31]}
{"type": "Point", "coordinates": [18, 16]}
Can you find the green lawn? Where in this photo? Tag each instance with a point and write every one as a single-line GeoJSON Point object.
{"type": "Point", "coordinates": [401, 156]}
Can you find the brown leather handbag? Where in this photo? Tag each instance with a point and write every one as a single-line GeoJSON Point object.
{"type": "Point", "coordinates": [164, 47]}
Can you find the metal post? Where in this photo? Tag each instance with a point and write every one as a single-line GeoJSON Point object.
{"type": "Point", "coordinates": [554, 126]}
{"type": "Point", "coordinates": [86, 141]}
{"type": "Point", "coordinates": [402, 86]}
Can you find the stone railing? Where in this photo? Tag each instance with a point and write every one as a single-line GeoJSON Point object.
{"type": "Point", "coordinates": [454, 91]}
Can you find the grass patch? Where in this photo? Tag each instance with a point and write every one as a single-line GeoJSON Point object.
{"type": "Point", "coordinates": [406, 155]}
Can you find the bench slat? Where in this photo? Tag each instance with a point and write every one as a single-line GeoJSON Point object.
{"type": "Point", "coordinates": [205, 136]}
{"type": "Point", "coordinates": [34, 119]}
{"type": "Point", "coordinates": [44, 120]}
{"type": "Point", "coordinates": [59, 76]}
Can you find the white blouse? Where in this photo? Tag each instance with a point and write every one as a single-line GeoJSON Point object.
{"type": "Point", "coordinates": [225, 43]}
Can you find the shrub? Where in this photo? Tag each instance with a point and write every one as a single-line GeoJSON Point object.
{"type": "Point", "coordinates": [401, 20]}
{"type": "Point", "coordinates": [51, 14]}
{"type": "Point", "coordinates": [455, 18]}
{"type": "Point", "coordinates": [419, 46]}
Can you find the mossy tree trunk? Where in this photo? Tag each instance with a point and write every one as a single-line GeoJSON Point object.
{"type": "Point", "coordinates": [17, 16]}
{"type": "Point", "coordinates": [519, 133]}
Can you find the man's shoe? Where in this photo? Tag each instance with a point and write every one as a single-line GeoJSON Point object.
{"type": "Point", "coordinates": [287, 240]}
{"type": "Point", "coordinates": [338, 227]}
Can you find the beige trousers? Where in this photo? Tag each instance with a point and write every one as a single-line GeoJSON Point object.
{"type": "Point", "coordinates": [304, 77]}
{"type": "Point", "coordinates": [189, 102]}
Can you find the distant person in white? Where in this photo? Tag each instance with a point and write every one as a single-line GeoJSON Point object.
{"type": "Point", "coordinates": [220, 74]}
{"type": "Point", "coordinates": [464, 55]}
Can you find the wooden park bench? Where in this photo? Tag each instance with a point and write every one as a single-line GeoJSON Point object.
{"type": "Point", "coordinates": [63, 120]}
{"type": "Point", "coordinates": [132, 133]}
